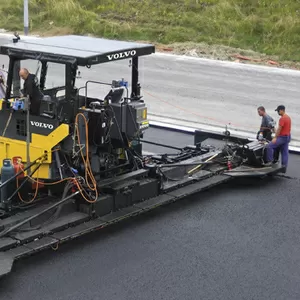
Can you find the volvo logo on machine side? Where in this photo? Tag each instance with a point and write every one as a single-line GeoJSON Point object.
{"type": "Point", "coordinates": [119, 55]}
{"type": "Point", "coordinates": [41, 125]}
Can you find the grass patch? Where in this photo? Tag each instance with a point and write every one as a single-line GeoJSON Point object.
{"type": "Point", "coordinates": [264, 26]}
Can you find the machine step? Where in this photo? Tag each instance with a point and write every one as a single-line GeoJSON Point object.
{"type": "Point", "coordinates": [171, 185]}
{"type": "Point", "coordinates": [199, 186]}
{"type": "Point", "coordinates": [6, 243]}
{"type": "Point", "coordinates": [61, 223]}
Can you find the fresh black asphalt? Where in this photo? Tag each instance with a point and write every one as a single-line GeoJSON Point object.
{"type": "Point", "coordinates": [240, 241]}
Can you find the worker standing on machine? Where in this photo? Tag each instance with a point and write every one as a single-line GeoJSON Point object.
{"type": "Point", "coordinates": [282, 138]}
{"type": "Point", "coordinates": [267, 128]}
{"type": "Point", "coordinates": [32, 90]}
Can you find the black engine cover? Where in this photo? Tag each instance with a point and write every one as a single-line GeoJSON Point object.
{"type": "Point", "coordinates": [255, 152]}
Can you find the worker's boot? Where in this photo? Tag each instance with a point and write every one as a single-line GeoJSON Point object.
{"type": "Point", "coordinates": [284, 169]}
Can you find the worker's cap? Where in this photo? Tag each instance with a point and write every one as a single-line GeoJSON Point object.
{"type": "Point", "coordinates": [280, 107]}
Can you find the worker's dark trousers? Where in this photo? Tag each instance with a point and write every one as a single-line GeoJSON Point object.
{"type": "Point", "coordinates": [35, 107]}
{"type": "Point", "coordinates": [282, 142]}
{"type": "Point", "coordinates": [267, 134]}
{"type": "Point", "coordinates": [276, 154]}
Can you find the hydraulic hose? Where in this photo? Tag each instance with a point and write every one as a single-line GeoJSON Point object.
{"type": "Point", "coordinates": [7, 123]}
{"type": "Point", "coordinates": [5, 232]}
{"type": "Point", "coordinates": [23, 183]}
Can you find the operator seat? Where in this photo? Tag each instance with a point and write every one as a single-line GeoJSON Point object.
{"type": "Point", "coordinates": [47, 98]}
{"type": "Point", "coordinates": [49, 102]}
{"type": "Point", "coordinates": [115, 95]}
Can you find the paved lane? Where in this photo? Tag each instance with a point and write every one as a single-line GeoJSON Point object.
{"type": "Point", "coordinates": [190, 91]}
{"type": "Point", "coordinates": [221, 244]}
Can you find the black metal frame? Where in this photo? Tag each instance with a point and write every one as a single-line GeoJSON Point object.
{"type": "Point", "coordinates": [71, 67]}
{"type": "Point", "coordinates": [135, 90]}
{"type": "Point", "coordinates": [13, 63]}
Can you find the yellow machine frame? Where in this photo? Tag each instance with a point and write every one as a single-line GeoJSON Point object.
{"type": "Point", "coordinates": [39, 145]}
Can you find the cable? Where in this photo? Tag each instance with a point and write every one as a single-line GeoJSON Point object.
{"type": "Point", "coordinates": [87, 165]}
{"type": "Point", "coordinates": [86, 161]}
{"type": "Point", "coordinates": [7, 123]}
{"type": "Point", "coordinates": [53, 216]}
{"type": "Point", "coordinates": [45, 183]}
{"type": "Point", "coordinates": [36, 188]}
{"type": "Point", "coordinates": [18, 225]}
{"type": "Point", "coordinates": [56, 213]}
{"type": "Point", "coordinates": [70, 179]}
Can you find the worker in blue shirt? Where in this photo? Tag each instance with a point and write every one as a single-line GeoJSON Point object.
{"type": "Point", "coordinates": [267, 128]}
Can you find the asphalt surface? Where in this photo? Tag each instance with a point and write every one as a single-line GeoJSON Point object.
{"type": "Point", "coordinates": [198, 90]}
{"type": "Point", "coordinates": [239, 241]}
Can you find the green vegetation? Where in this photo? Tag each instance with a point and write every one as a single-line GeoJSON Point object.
{"type": "Point", "coordinates": [265, 26]}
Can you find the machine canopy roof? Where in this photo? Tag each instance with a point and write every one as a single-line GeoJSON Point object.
{"type": "Point", "coordinates": [80, 50]}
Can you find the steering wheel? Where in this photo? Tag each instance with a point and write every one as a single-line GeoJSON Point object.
{"type": "Point", "coordinates": [95, 104]}
{"type": "Point", "coordinates": [227, 133]}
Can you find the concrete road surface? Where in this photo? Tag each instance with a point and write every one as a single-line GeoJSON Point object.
{"type": "Point", "coordinates": [191, 91]}
{"type": "Point", "coordinates": [238, 242]}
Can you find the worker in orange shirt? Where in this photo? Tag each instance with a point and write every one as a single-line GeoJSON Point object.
{"type": "Point", "coordinates": [281, 139]}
